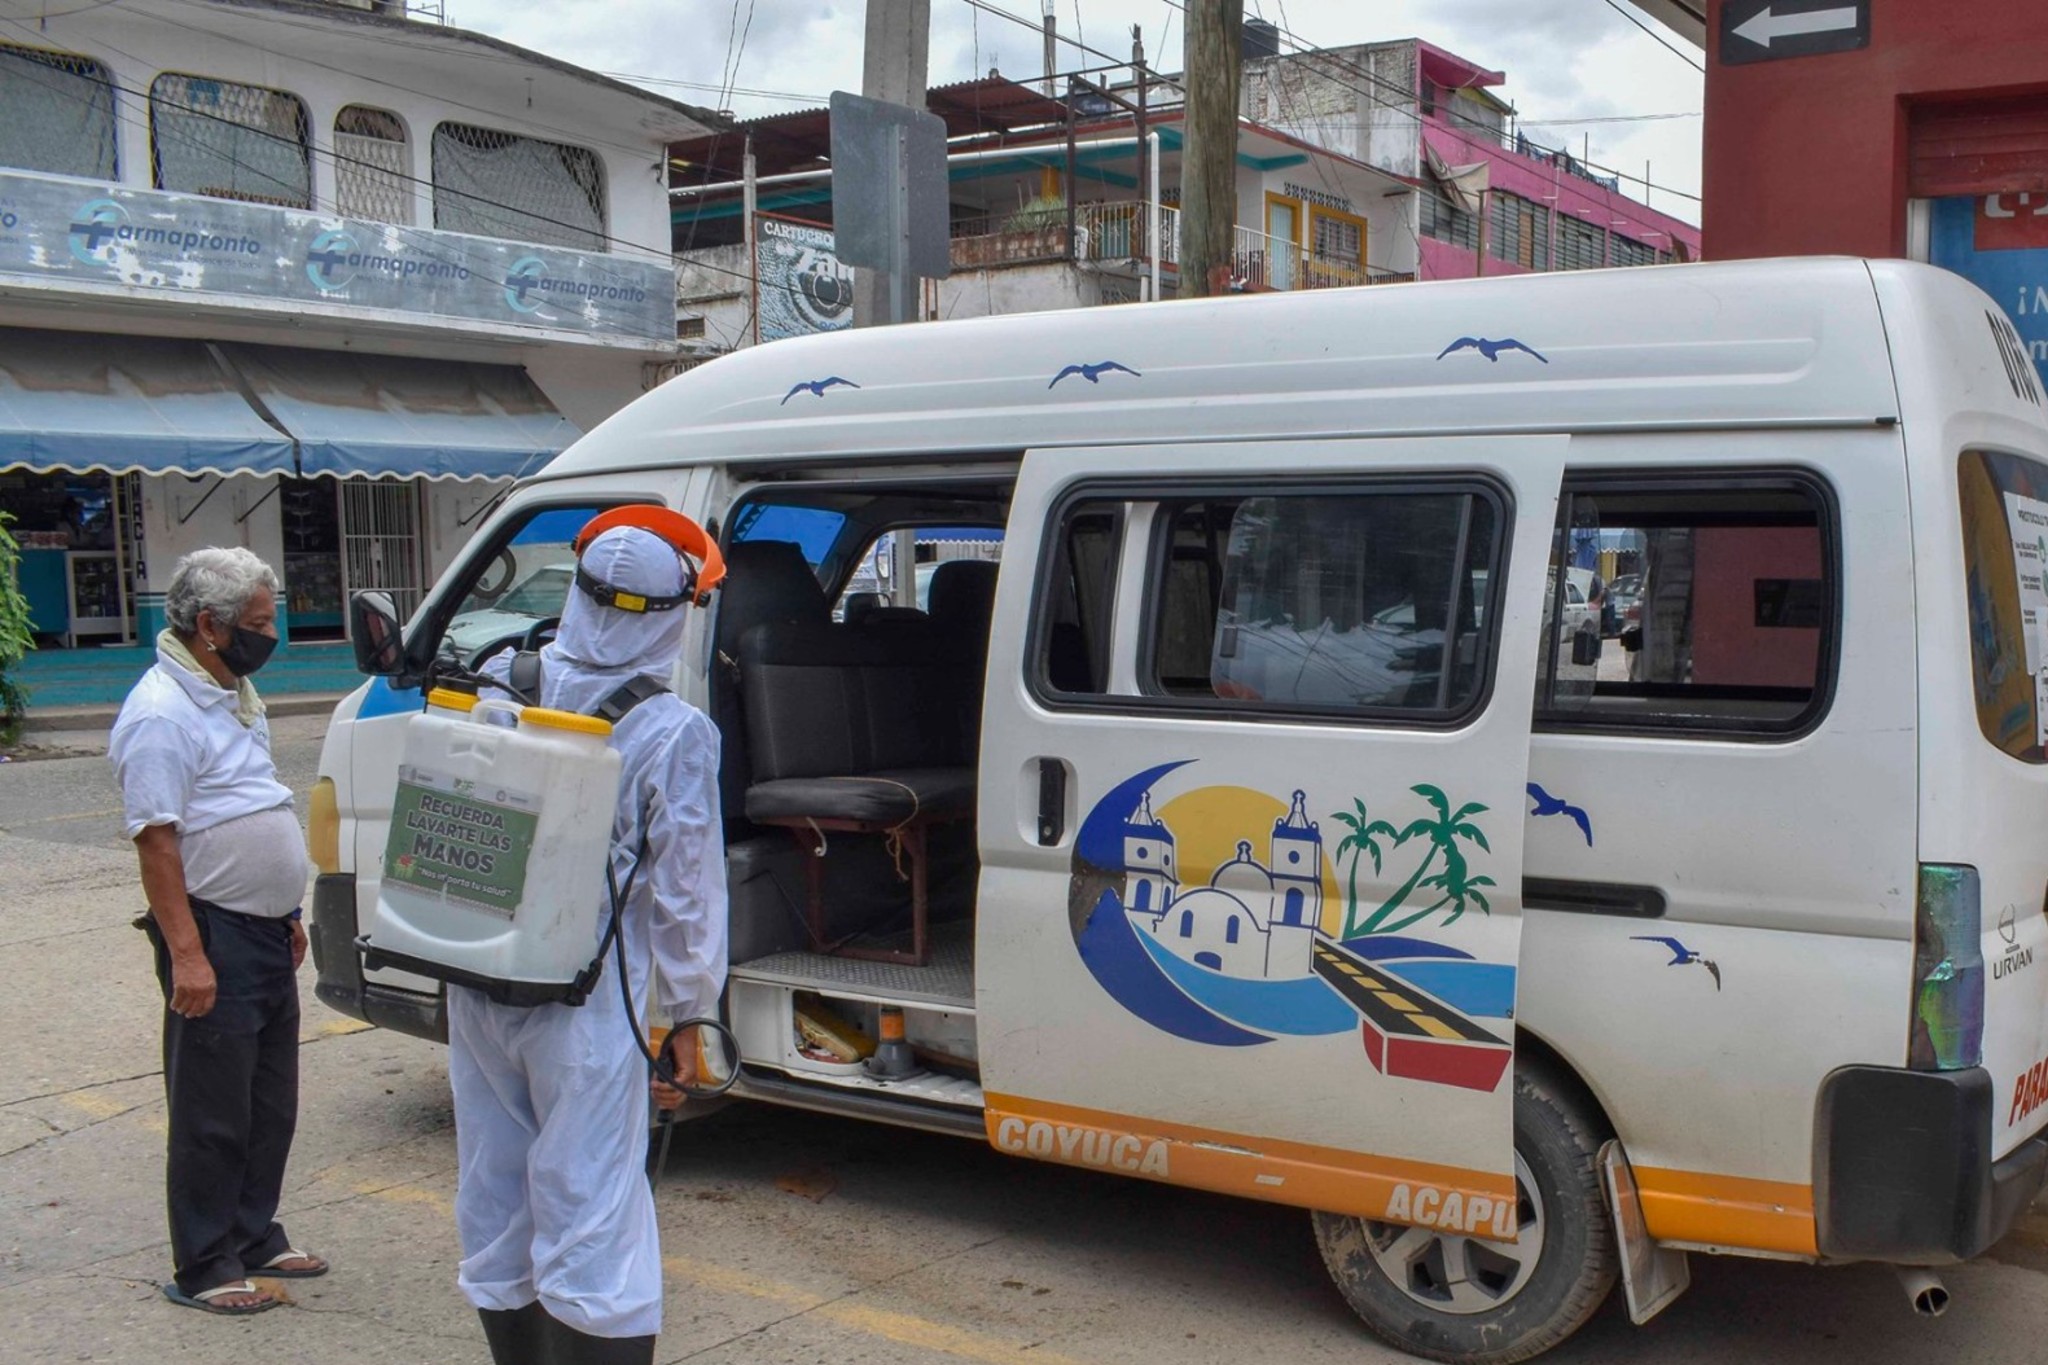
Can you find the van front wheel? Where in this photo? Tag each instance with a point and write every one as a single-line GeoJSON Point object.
{"type": "Point", "coordinates": [1462, 1299]}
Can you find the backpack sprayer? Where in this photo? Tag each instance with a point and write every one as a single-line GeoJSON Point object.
{"type": "Point", "coordinates": [492, 858]}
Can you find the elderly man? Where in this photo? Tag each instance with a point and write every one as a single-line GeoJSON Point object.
{"type": "Point", "coordinates": [223, 869]}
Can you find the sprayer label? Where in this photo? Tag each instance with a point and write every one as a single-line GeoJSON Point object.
{"type": "Point", "coordinates": [453, 838]}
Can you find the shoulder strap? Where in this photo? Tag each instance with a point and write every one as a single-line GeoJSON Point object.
{"type": "Point", "coordinates": [628, 695]}
{"type": "Point", "coordinates": [524, 675]}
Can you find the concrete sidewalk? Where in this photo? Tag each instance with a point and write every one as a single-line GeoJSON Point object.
{"type": "Point", "coordinates": [83, 729]}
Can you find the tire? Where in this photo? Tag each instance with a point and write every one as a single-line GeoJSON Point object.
{"type": "Point", "coordinates": [1506, 1310]}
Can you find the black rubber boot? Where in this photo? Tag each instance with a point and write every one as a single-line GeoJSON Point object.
{"type": "Point", "coordinates": [567, 1346]}
{"type": "Point", "coordinates": [517, 1336]}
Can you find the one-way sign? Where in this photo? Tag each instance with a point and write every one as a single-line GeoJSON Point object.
{"type": "Point", "coordinates": [1767, 30]}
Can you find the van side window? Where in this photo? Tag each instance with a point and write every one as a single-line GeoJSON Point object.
{"type": "Point", "coordinates": [2005, 555]}
{"type": "Point", "coordinates": [1702, 603]}
{"type": "Point", "coordinates": [1080, 595]}
{"type": "Point", "coordinates": [1349, 600]}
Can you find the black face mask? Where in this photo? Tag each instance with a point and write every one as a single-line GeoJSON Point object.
{"type": "Point", "coordinates": [247, 651]}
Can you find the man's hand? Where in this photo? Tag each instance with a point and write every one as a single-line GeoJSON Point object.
{"type": "Point", "coordinates": [298, 945]}
{"type": "Point", "coordinates": [682, 1060]}
{"type": "Point", "coordinates": [192, 984]}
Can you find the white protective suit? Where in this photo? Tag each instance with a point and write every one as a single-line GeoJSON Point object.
{"type": "Point", "coordinates": [551, 1103]}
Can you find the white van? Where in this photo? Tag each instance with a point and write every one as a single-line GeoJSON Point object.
{"type": "Point", "coordinates": [1261, 825]}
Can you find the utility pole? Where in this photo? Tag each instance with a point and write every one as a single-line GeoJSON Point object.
{"type": "Point", "coordinates": [893, 68]}
{"type": "Point", "coordinates": [1051, 25]}
{"type": "Point", "coordinates": [1208, 165]}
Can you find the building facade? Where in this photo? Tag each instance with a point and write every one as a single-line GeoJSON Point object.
{"type": "Point", "coordinates": [1371, 164]}
{"type": "Point", "coordinates": [1490, 200]}
{"type": "Point", "coordinates": [311, 278]}
{"type": "Point", "coordinates": [1913, 129]}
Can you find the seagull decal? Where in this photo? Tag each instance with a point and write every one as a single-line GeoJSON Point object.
{"type": "Point", "coordinates": [816, 387]}
{"type": "Point", "coordinates": [1682, 956]}
{"type": "Point", "coordinates": [1093, 373]}
{"type": "Point", "coordinates": [1546, 804]}
{"type": "Point", "coordinates": [1491, 349]}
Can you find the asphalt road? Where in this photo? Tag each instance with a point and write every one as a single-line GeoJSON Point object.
{"type": "Point", "coordinates": [787, 1237]}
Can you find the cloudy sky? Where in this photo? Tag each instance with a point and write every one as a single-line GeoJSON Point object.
{"type": "Point", "coordinates": [1576, 69]}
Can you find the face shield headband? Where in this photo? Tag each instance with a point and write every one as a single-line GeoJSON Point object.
{"type": "Point", "coordinates": [682, 535]}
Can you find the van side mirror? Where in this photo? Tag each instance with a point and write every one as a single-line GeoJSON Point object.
{"type": "Point", "coordinates": [373, 626]}
{"type": "Point", "coordinates": [1586, 648]}
{"type": "Point", "coordinates": [1632, 639]}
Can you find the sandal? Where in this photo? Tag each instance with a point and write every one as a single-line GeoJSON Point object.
{"type": "Point", "coordinates": [204, 1299]}
{"type": "Point", "coordinates": [275, 1265]}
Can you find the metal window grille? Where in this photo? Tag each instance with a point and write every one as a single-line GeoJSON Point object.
{"type": "Point", "coordinates": [499, 184]}
{"type": "Point", "coordinates": [60, 113]}
{"type": "Point", "coordinates": [371, 177]}
{"type": "Point", "coordinates": [380, 539]}
{"type": "Point", "coordinates": [1628, 251]}
{"type": "Point", "coordinates": [1517, 233]}
{"type": "Point", "coordinates": [1580, 246]}
{"type": "Point", "coordinates": [1339, 241]}
{"type": "Point", "coordinates": [230, 141]}
{"type": "Point", "coordinates": [1447, 222]}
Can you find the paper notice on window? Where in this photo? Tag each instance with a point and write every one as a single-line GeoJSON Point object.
{"type": "Point", "coordinates": [2029, 520]}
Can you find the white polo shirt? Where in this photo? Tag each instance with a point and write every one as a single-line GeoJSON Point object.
{"type": "Point", "coordinates": [182, 759]}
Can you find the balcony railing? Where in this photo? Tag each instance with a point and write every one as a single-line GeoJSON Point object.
{"type": "Point", "coordinates": [1118, 234]}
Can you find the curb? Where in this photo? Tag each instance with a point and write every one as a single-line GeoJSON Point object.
{"type": "Point", "coordinates": [101, 717]}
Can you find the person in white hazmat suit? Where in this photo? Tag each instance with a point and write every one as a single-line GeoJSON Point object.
{"type": "Point", "coordinates": [560, 1251]}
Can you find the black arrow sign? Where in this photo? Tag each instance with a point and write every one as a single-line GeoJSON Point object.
{"type": "Point", "coordinates": [1770, 30]}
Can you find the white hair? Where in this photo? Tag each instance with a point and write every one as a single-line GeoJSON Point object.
{"type": "Point", "coordinates": [218, 581]}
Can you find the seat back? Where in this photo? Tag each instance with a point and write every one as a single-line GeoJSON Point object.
{"type": "Point", "coordinates": [766, 581]}
{"type": "Point", "coordinates": [823, 700]}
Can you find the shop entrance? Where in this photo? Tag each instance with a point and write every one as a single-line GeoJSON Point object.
{"type": "Point", "coordinates": [311, 515]}
{"type": "Point", "coordinates": [382, 541]}
{"type": "Point", "coordinates": [81, 543]}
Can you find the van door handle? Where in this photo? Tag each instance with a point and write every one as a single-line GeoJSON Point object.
{"type": "Point", "coordinates": [1052, 801]}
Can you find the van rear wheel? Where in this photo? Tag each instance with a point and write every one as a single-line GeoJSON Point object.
{"type": "Point", "coordinates": [1454, 1298]}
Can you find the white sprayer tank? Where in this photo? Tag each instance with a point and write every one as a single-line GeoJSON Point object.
{"type": "Point", "coordinates": [494, 870]}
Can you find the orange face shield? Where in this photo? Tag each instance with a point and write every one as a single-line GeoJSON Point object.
{"type": "Point", "coordinates": [703, 565]}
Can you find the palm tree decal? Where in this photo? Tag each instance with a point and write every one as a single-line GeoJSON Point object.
{"type": "Point", "coordinates": [1363, 840]}
{"type": "Point", "coordinates": [1459, 888]}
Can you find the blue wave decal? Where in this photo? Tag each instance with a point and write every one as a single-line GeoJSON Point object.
{"type": "Point", "coordinates": [385, 700]}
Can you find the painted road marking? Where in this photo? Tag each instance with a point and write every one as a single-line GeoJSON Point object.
{"type": "Point", "coordinates": [902, 1329]}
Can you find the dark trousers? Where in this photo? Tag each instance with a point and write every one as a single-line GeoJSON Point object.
{"type": "Point", "coordinates": [231, 1077]}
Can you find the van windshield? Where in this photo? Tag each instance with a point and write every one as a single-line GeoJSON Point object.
{"type": "Point", "coordinates": [2005, 555]}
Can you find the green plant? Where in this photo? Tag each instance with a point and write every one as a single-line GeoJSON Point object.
{"type": "Point", "coordinates": [1046, 211]}
{"type": "Point", "coordinates": [17, 636]}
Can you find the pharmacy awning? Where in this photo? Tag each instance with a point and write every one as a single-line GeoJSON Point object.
{"type": "Point", "coordinates": [407, 416]}
{"type": "Point", "coordinates": [85, 401]}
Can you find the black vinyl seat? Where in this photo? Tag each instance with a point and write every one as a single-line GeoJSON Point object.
{"type": "Point", "coordinates": [860, 731]}
{"type": "Point", "coordinates": [766, 581]}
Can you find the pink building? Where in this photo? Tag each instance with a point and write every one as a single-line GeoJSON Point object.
{"type": "Point", "coordinates": [1491, 200]}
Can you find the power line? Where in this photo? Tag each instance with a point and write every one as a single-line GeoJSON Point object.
{"type": "Point", "coordinates": [1607, 118]}
{"type": "Point", "coordinates": [1662, 41]}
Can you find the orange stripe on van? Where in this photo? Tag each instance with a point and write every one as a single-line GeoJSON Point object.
{"type": "Point", "coordinates": [1727, 1211]}
{"type": "Point", "coordinates": [1306, 1176]}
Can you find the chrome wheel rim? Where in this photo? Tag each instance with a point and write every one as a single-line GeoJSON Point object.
{"type": "Point", "coordinates": [1452, 1273]}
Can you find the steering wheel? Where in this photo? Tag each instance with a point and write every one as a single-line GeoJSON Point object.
{"type": "Point", "coordinates": [530, 638]}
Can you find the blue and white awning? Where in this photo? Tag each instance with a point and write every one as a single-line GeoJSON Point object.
{"type": "Point", "coordinates": [88, 402]}
{"type": "Point", "coordinates": [353, 413]}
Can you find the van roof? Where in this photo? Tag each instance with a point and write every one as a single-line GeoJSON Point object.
{"type": "Point", "coordinates": [1758, 343]}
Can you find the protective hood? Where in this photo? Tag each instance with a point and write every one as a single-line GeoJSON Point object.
{"type": "Point", "coordinates": [596, 648]}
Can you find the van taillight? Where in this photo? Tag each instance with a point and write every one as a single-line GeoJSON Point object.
{"type": "Point", "coordinates": [1948, 970]}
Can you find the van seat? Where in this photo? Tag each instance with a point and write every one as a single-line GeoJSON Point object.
{"type": "Point", "coordinates": [857, 731]}
{"type": "Point", "coordinates": [766, 580]}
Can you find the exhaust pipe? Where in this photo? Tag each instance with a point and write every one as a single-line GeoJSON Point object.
{"type": "Point", "coordinates": [1924, 1290]}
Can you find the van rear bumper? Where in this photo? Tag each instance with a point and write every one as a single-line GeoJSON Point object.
{"type": "Point", "coordinates": [1903, 1170]}
{"type": "Point", "coordinates": [339, 965]}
